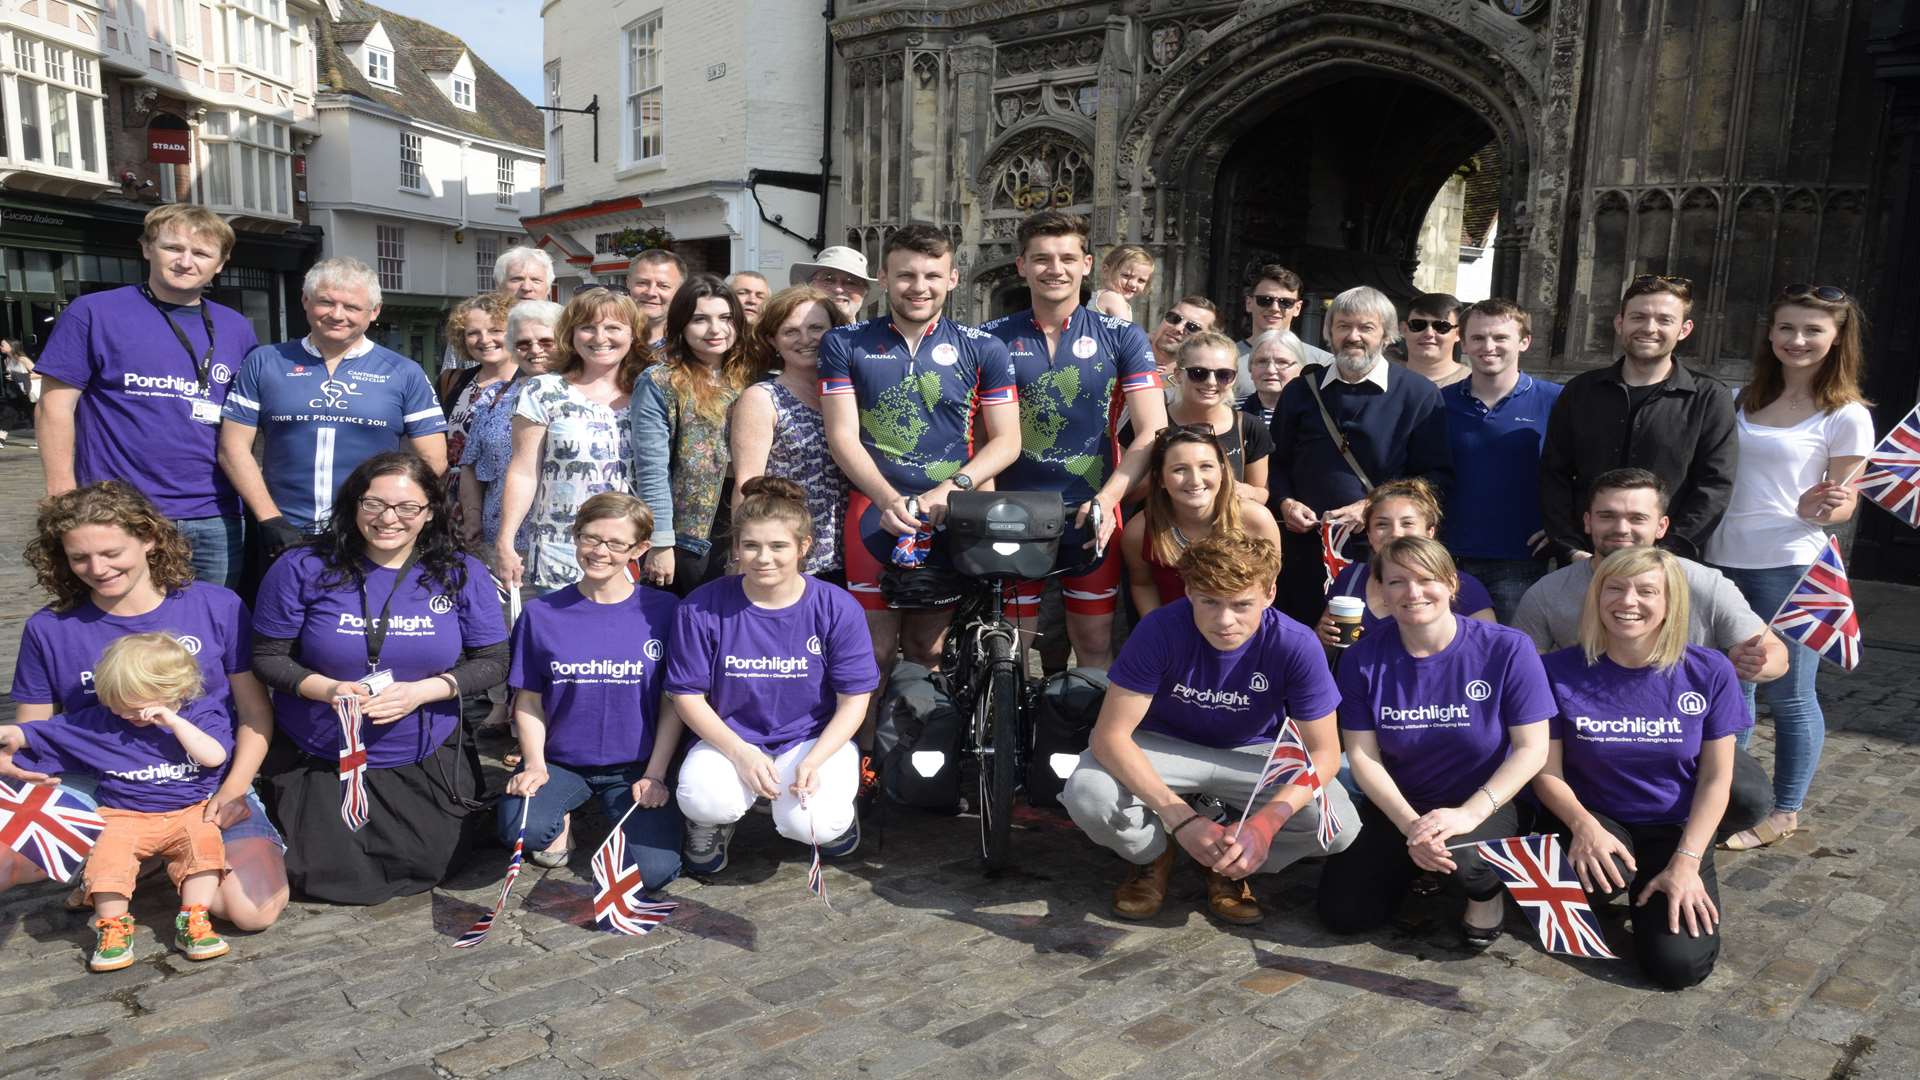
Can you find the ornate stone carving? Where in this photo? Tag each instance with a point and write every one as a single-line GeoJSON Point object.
{"type": "Point", "coordinates": [1050, 173]}
{"type": "Point", "coordinates": [1051, 55]}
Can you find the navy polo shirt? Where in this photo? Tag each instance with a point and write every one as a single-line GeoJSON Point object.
{"type": "Point", "coordinates": [1494, 504]}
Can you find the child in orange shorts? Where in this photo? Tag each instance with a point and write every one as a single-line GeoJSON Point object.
{"type": "Point", "coordinates": [159, 747]}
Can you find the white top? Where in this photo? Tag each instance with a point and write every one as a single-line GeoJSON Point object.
{"type": "Point", "coordinates": [1762, 528]}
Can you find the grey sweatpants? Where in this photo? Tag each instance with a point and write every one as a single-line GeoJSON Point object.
{"type": "Point", "coordinates": [1115, 818]}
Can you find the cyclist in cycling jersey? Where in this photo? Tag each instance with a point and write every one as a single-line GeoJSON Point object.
{"type": "Point", "coordinates": [898, 395]}
{"type": "Point", "coordinates": [1075, 369]}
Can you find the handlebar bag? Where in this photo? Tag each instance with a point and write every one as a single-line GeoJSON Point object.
{"type": "Point", "coordinates": [1005, 534]}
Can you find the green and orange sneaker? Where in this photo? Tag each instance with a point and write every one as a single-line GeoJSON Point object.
{"type": "Point", "coordinates": [193, 935]}
{"type": "Point", "coordinates": [113, 949]}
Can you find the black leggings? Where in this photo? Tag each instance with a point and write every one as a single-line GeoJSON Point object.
{"type": "Point", "coordinates": [1675, 961]}
{"type": "Point", "coordinates": [1361, 886]}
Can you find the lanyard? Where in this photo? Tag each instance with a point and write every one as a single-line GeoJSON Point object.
{"type": "Point", "coordinates": [376, 633]}
{"type": "Point", "coordinates": [201, 365]}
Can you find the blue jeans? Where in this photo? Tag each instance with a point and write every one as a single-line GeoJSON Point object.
{"type": "Point", "coordinates": [1507, 580]}
{"type": "Point", "coordinates": [653, 836]}
{"type": "Point", "coordinates": [215, 542]}
{"type": "Point", "coordinates": [1799, 727]}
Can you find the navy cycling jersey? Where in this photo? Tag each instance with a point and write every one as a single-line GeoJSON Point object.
{"type": "Point", "coordinates": [320, 428]}
{"type": "Point", "coordinates": [1070, 400]}
{"type": "Point", "coordinates": [916, 407]}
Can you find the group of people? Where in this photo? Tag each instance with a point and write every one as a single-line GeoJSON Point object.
{"type": "Point", "coordinates": [690, 492]}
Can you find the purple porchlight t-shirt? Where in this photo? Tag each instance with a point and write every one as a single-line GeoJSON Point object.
{"type": "Point", "coordinates": [58, 649]}
{"type": "Point", "coordinates": [1442, 720]}
{"type": "Point", "coordinates": [428, 629]}
{"type": "Point", "coordinates": [1631, 737]}
{"type": "Point", "coordinates": [1352, 581]}
{"type": "Point", "coordinates": [135, 417]}
{"type": "Point", "coordinates": [140, 768]}
{"type": "Point", "coordinates": [1224, 699]}
{"type": "Point", "coordinates": [772, 674]}
{"type": "Point", "coordinates": [598, 669]}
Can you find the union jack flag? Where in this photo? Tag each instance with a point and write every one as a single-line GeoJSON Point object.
{"type": "Point", "coordinates": [1892, 476]}
{"type": "Point", "coordinates": [1542, 883]}
{"type": "Point", "coordinates": [1333, 539]}
{"type": "Point", "coordinates": [617, 904]}
{"type": "Point", "coordinates": [830, 387]}
{"type": "Point", "coordinates": [816, 879]}
{"type": "Point", "coordinates": [50, 825]}
{"type": "Point", "coordinates": [478, 932]}
{"type": "Point", "coordinates": [354, 806]}
{"type": "Point", "coordinates": [1289, 763]}
{"type": "Point", "coordinates": [1001, 395]}
{"type": "Point", "coordinates": [1819, 612]}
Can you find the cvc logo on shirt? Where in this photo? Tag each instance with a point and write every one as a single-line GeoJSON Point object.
{"type": "Point", "coordinates": [335, 394]}
{"type": "Point", "coordinates": [1692, 703]}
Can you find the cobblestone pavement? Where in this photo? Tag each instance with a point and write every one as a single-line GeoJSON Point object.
{"type": "Point", "coordinates": [925, 968]}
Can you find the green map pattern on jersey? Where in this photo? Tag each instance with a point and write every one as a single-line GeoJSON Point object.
{"type": "Point", "coordinates": [897, 421]}
{"type": "Point", "coordinates": [1045, 404]}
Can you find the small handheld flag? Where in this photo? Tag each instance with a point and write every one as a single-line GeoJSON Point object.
{"type": "Point", "coordinates": [1541, 882]}
{"type": "Point", "coordinates": [354, 805]}
{"type": "Point", "coordinates": [1289, 763]}
{"type": "Point", "coordinates": [49, 825]}
{"type": "Point", "coordinates": [478, 932]}
{"type": "Point", "coordinates": [1892, 476]}
{"type": "Point", "coordinates": [618, 907]}
{"type": "Point", "coordinates": [1819, 612]}
{"type": "Point", "coordinates": [1333, 539]}
{"type": "Point", "coordinates": [816, 879]}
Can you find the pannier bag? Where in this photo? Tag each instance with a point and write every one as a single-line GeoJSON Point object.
{"type": "Point", "coordinates": [917, 739]}
{"type": "Point", "coordinates": [1063, 717]}
{"type": "Point", "coordinates": [1004, 534]}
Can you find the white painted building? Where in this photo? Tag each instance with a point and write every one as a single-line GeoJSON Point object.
{"type": "Point", "coordinates": [694, 97]}
{"type": "Point", "coordinates": [426, 162]}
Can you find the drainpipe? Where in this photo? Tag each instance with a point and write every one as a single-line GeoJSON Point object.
{"type": "Point", "coordinates": [826, 127]}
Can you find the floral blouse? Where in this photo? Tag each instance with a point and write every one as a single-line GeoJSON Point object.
{"type": "Point", "coordinates": [799, 453]}
{"type": "Point", "coordinates": [588, 450]}
{"type": "Point", "coordinates": [488, 450]}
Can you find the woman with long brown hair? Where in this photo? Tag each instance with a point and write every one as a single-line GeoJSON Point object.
{"type": "Point", "coordinates": [1191, 494]}
{"type": "Point", "coordinates": [680, 449]}
{"type": "Point", "coordinates": [1803, 428]}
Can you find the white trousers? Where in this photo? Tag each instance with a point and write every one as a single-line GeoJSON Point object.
{"type": "Point", "coordinates": [712, 793]}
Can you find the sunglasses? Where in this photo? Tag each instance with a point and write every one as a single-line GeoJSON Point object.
{"type": "Point", "coordinates": [1284, 303]}
{"type": "Point", "coordinates": [1174, 319]}
{"type": "Point", "coordinates": [1223, 376]}
{"type": "Point", "coordinates": [1440, 326]}
{"type": "Point", "coordinates": [1828, 293]}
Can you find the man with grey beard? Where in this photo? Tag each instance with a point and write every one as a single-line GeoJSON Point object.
{"type": "Point", "coordinates": [1340, 429]}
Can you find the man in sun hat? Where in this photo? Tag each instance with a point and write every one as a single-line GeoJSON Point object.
{"type": "Point", "coordinates": [841, 273]}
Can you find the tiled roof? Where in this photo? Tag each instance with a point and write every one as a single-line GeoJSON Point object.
{"type": "Point", "coordinates": [1482, 196]}
{"type": "Point", "coordinates": [500, 112]}
{"type": "Point", "coordinates": [437, 59]}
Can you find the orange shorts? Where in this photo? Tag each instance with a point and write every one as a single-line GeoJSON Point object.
{"type": "Point", "coordinates": [190, 846]}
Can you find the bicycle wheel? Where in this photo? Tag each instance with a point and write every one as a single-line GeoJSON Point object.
{"type": "Point", "coordinates": [997, 733]}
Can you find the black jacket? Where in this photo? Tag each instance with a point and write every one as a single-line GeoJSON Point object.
{"type": "Point", "coordinates": [1684, 434]}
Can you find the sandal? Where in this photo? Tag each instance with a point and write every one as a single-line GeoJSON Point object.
{"type": "Point", "coordinates": [1765, 834]}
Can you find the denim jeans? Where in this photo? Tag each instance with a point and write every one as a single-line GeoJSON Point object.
{"type": "Point", "coordinates": [1507, 580]}
{"type": "Point", "coordinates": [1799, 727]}
{"type": "Point", "coordinates": [218, 557]}
{"type": "Point", "coordinates": [653, 835]}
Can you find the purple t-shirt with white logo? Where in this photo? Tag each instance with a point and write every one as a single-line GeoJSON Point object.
{"type": "Point", "coordinates": [1630, 737]}
{"type": "Point", "coordinates": [1224, 699]}
{"type": "Point", "coordinates": [58, 649]}
{"type": "Point", "coordinates": [1442, 720]}
{"type": "Point", "coordinates": [772, 674]}
{"type": "Point", "coordinates": [134, 420]}
{"type": "Point", "coordinates": [140, 768]}
{"type": "Point", "coordinates": [598, 669]}
{"type": "Point", "coordinates": [428, 629]}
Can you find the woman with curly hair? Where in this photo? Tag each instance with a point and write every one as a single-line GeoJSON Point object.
{"type": "Point", "coordinates": [114, 566]}
{"type": "Point", "coordinates": [682, 465]}
{"type": "Point", "coordinates": [383, 618]}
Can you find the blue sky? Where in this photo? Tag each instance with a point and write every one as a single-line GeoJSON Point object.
{"type": "Point", "coordinates": [504, 33]}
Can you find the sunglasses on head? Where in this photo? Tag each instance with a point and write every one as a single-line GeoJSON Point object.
{"type": "Point", "coordinates": [1681, 286]}
{"type": "Point", "coordinates": [1174, 318]}
{"type": "Point", "coordinates": [1223, 376]}
{"type": "Point", "coordinates": [1440, 326]}
{"type": "Point", "coordinates": [1801, 290]}
{"type": "Point", "coordinates": [1187, 431]}
{"type": "Point", "coordinates": [1284, 303]}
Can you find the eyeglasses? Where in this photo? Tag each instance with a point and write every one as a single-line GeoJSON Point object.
{"type": "Point", "coordinates": [1267, 300]}
{"type": "Point", "coordinates": [1174, 318]}
{"type": "Point", "coordinates": [613, 547]}
{"type": "Point", "coordinates": [833, 279]}
{"type": "Point", "coordinates": [406, 511]}
{"type": "Point", "coordinates": [1828, 293]}
{"type": "Point", "coordinates": [525, 347]}
{"type": "Point", "coordinates": [1440, 326]}
{"type": "Point", "coordinates": [1223, 375]}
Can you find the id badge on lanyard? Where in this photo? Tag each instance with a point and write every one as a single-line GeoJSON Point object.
{"type": "Point", "coordinates": [377, 677]}
{"type": "Point", "coordinates": [204, 409]}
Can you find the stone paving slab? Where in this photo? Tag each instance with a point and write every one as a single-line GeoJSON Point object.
{"type": "Point", "coordinates": [924, 968]}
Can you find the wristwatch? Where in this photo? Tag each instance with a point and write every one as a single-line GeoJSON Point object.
{"type": "Point", "coordinates": [962, 482]}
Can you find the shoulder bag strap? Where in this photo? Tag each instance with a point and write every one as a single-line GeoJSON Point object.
{"type": "Point", "coordinates": [1333, 431]}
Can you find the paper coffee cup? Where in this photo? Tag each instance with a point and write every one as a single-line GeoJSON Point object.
{"type": "Point", "coordinates": [1346, 612]}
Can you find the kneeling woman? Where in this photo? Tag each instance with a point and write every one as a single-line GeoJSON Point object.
{"type": "Point", "coordinates": [772, 670]}
{"type": "Point", "coordinates": [588, 673]}
{"type": "Point", "coordinates": [1642, 759]}
{"type": "Point", "coordinates": [384, 609]}
{"type": "Point", "coordinates": [1443, 718]}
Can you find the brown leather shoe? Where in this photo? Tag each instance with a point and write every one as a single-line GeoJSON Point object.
{"type": "Point", "coordinates": [1140, 896]}
{"type": "Point", "coordinates": [1232, 901]}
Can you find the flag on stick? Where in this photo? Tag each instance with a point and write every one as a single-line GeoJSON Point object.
{"type": "Point", "coordinates": [619, 906]}
{"type": "Point", "coordinates": [1333, 540]}
{"type": "Point", "coordinates": [49, 825]}
{"type": "Point", "coordinates": [1819, 612]}
{"type": "Point", "coordinates": [478, 932]}
{"type": "Point", "coordinates": [354, 805]}
{"type": "Point", "coordinates": [1289, 763]}
{"type": "Point", "coordinates": [1542, 883]}
{"type": "Point", "coordinates": [1892, 476]}
{"type": "Point", "coordinates": [816, 879]}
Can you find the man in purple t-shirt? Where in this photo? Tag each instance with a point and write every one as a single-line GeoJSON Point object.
{"type": "Point", "coordinates": [134, 379]}
{"type": "Point", "coordinates": [1197, 696]}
